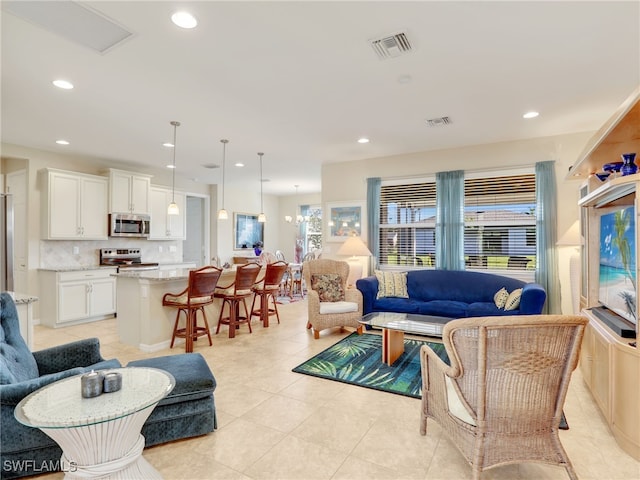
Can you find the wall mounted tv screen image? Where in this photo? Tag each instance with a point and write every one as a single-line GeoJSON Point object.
{"type": "Point", "coordinates": [617, 274]}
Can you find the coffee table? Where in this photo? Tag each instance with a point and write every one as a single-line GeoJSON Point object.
{"type": "Point", "coordinates": [99, 436]}
{"type": "Point", "coordinates": [395, 325]}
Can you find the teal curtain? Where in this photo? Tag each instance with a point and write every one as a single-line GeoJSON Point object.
{"type": "Point", "coordinates": [547, 234]}
{"type": "Point", "coordinates": [450, 220]}
{"type": "Point", "coordinates": [373, 220]}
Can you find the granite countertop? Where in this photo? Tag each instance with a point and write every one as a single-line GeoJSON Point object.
{"type": "Point", "coordinates": [156, 275]}
{"type": "Point", "coordinates": [22, 297]}
{"type": "Point", "coordinates": [76, 268]}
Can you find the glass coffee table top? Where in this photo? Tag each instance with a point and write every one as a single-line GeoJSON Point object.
{"type": "Point", "coordinates": [412, 323]}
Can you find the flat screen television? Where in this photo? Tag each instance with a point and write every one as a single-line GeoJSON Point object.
{"type": "Point", "coordinates": [617, 273]}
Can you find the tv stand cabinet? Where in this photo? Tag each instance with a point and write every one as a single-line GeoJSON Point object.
{"type": "Point", "coordinates": [609, 364]}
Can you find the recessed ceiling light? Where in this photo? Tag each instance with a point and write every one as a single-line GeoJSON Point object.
{"type": "Point", "coordinates": [62, 142]}
{"type": "Point", "coordinates": [184, 20]}
{"type": "Point", "coordinates": [63, 84]}
{"type": "Point", "coordinates": [363, 140]}
{"type": "Point", "coordinates": [168, 145]}
{"type": "Point", "coordinates": [530, 115]}
{"type": "Point", "coordinates": [239, 164]}
{"type": "Point", "coordinates": [171, 166]}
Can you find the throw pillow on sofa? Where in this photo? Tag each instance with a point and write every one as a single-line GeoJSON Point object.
{"type": "Point", "coordinates": [328, 286]}
{"type": "Point", "coordinates": [513, 302]}
{"type": "Point", "coordinates": [392, 284]}
{"type": "Point", "coordinates": [500, 298]}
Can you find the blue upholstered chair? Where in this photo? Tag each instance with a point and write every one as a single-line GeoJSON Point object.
{"type": "Point", "coordinates": [187, 411]}
{"type": "Point", "coordinates": [23, 372]}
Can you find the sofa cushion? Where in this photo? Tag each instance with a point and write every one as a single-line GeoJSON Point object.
{"type": "Point", "coordinates": [513, 302]}
{"type": "Point", "coordinates": [487, 309]}
{"type": "Point", "coordinates": [17, 363]}
{"type": "Point", "coordinates": [443, 308]}
{"type": "Point", "coordinates": [399, 305]}
{"type": "Point", "coordinates": [191, 372]}
{"type": "Point", "coordinates": [392, 284]}
{"type": "Point", "coordinates": [329, 287]}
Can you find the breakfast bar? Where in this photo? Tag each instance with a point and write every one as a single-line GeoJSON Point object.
{"type": "Point", "coordinates": [142, 320]}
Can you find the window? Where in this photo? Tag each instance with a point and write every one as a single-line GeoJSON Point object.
{"type": "Point", "coordinates": [312, 227]}
{"type": "Point", "coordinates": [407, 224]}
{"type": "Point", "coordinates": [500, 222]}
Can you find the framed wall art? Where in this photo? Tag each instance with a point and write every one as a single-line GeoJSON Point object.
{"type": "Point", "coordinates": [346, 219]}
{"type": "Point", "coordinates": [247, 231]}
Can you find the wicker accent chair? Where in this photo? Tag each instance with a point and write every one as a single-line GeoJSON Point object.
{"type": "Point", "coordinates": [323, 314]}
{"type": "Point", "coordinates": [500, 401]}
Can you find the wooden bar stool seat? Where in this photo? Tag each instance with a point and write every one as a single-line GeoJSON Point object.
{"type": "Point", "coordinates": [197, 295]}
{"type": "Point", "coordinates": [236, 293]}
{"type": "Point", "coordinates": [267, 290]}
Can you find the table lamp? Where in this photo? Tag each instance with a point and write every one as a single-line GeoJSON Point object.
{"type": "Point", "coordinates": [354, 247]}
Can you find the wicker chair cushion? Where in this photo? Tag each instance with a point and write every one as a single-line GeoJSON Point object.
{"type": "Point", "coordinates": [329, 287]}
{"type": "Point", "coordinates": [513, 302]}
{"type": "Point", "coordinates": [392, 284]}
{"type": "Point", "coordinates": [231, 291]}
{"type": "Point", "coordinates": [184, 299]}
{"type": "Point", "coordinates": [456, 408]}
{"type": "Point", "coordinates": [500, 298]}
{"type": "Point", "coordinates": [337, 307]}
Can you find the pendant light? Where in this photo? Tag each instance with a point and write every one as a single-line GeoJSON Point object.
{"type": "Point", "coordinates": [299, 218]}
{"type": "Point", "coordinates": [173, 209]}
{"type": "Point", "coordinates": [262, 218]}
{"type": "Point", "coordinates": [222, 213]}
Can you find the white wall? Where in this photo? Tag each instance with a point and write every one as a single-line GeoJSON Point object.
{"type": "Point", "coordinates": [347, 181]}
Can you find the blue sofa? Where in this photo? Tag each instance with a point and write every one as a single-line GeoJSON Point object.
{"type": "Point", "coordinates": [187, 411]}
{"type": "Point", "coordinates": [452, 293]}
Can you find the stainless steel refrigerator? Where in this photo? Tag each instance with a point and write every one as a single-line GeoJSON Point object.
{"type": "Point", "coordinates": [6, 242]}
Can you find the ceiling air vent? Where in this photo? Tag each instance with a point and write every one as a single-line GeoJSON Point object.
{"type": "Point", "coordinates": [391, 46]}
{"type": "Point", "coordinates": [210, 165]}
{"type": "Point", "coordinates": [438, 122]}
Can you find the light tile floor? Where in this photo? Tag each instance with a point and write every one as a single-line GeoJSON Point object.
{"type": "Point", "coordinates": [276, 424]}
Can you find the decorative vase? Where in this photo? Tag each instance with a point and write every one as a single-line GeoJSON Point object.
{"type": "Point", "coordinates": [257, 251]}
{"type": "Point", "coordinates": [628, 165]}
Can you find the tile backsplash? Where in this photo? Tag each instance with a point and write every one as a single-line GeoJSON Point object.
{"type": "Point", "coordinates": [61, 253]}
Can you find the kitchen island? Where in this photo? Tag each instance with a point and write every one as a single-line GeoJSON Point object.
{"type": "Point", "coordinates": [142, 320]}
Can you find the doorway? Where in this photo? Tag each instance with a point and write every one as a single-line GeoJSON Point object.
{"type": "Point", "coordinates": [194, 248]}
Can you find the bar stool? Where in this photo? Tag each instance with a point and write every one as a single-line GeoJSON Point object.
{"type": "Point", "coordinates": [267, 289]}
{"type": "Point", "coordinates": [232, 295]}
{"type": "Point", "coordinates": [198, 294]}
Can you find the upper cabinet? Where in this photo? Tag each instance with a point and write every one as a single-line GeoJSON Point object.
{"type": "Point", "coordinates": [620, 134]}
{"type": "Point", "coordinates": [164, 226]}
{"type": "Point", "coordinates": [75, 206]}
{"type": "Point", "coordinates": [129, 192]}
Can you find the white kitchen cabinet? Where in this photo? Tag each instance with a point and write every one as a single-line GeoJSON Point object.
{"type": "Point", "coordinates": [129, 192]}
{"type": "Point", "coordinates": [77, 296]}
{"type": "Point", "coordinates": [75, 206]}
{"type": "Point", "coordinates": [164, 226]}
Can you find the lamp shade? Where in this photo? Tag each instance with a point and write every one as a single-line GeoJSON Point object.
{"type": "Point", "coordinates": [571, 237]}
{"type": "Point", "coordinates": [354, 247]}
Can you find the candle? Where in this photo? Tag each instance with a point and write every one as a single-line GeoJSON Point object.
{"type": "Point", "coordinates": [112, 382]}
{"type": "Point", "coordinates": [91, 384]}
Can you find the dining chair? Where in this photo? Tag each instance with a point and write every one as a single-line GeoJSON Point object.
{"type": "Point", "coordinates": [234, 294]}
{"type": "Point", "coordinates": [198, 294]}
{"type": "Point", "coordinates": [266, 290]}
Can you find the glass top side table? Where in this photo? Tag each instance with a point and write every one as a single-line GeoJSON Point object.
{"type": "Point", "coordinates": [99, 436]}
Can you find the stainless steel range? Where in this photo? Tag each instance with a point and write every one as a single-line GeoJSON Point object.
{"type": "Point", "coordinates": [126, 259]}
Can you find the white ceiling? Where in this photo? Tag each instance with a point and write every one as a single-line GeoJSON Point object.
{"type": "Point", "coordinates": [300, 82]}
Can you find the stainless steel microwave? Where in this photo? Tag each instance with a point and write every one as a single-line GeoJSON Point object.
{"type": "Point", "coordinates": [127, 225]}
